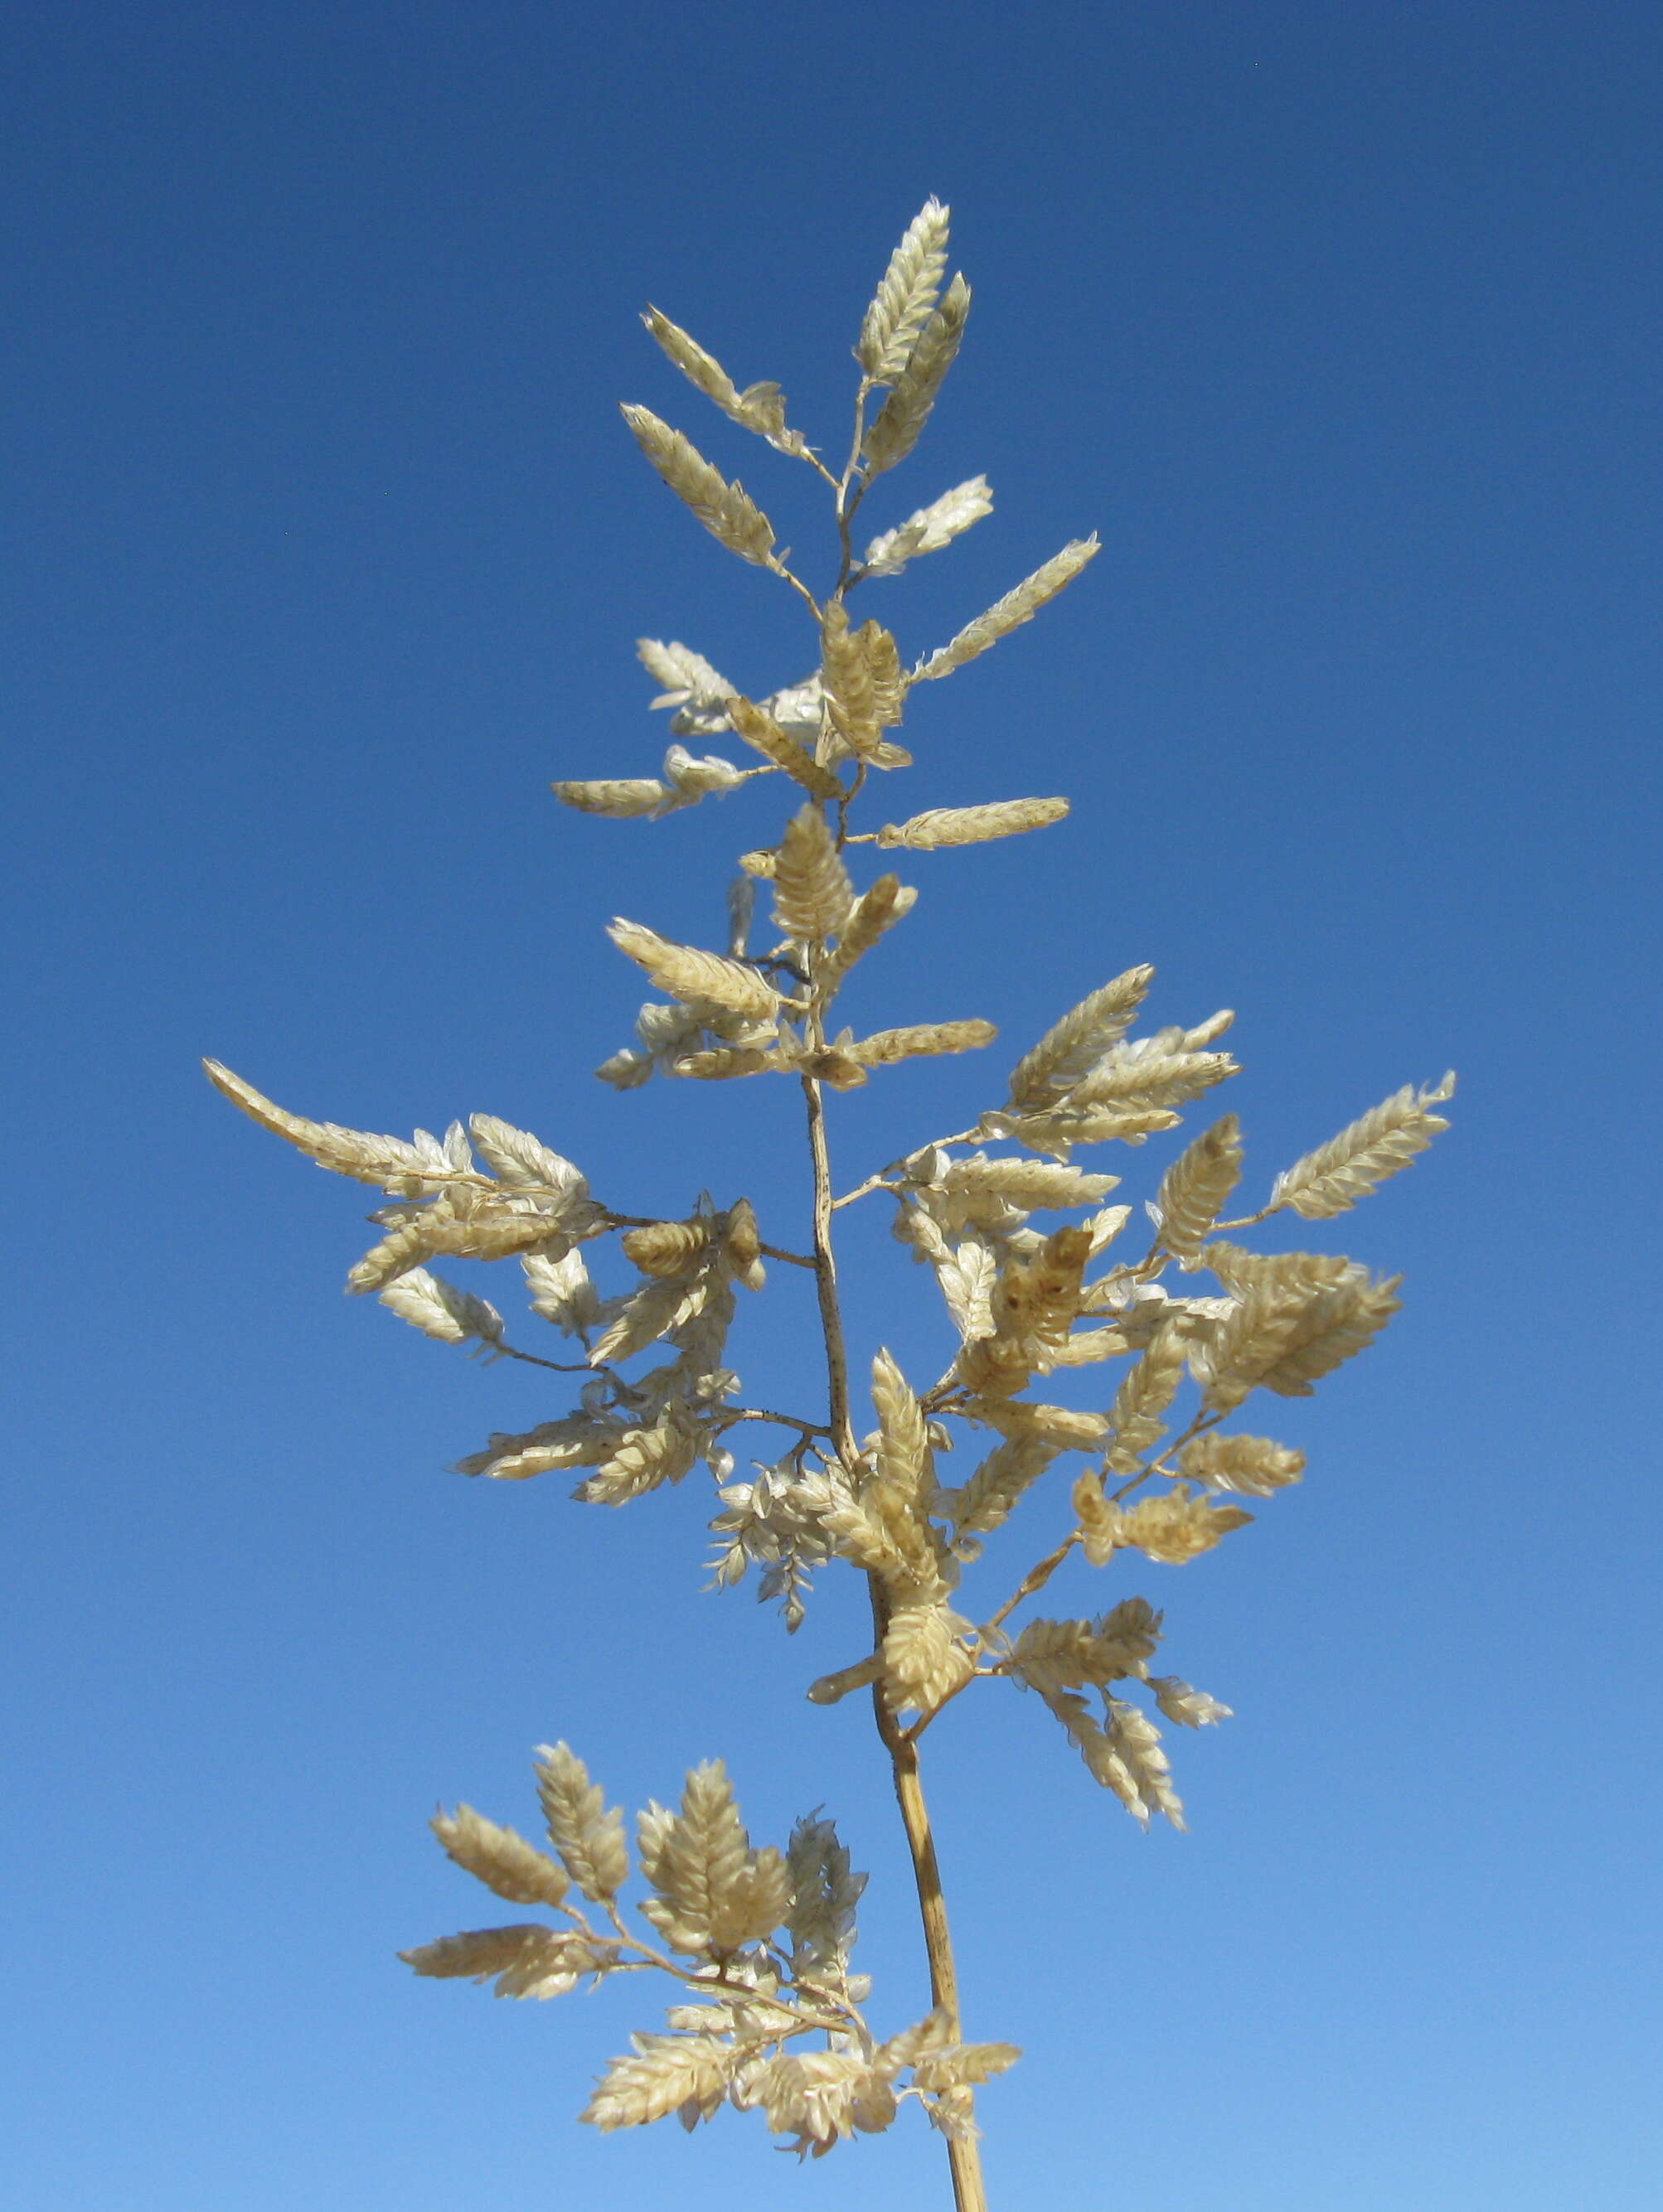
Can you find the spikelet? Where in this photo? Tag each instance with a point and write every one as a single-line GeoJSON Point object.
{"type": "Point", "coordinates": [589, 1837]}
{"type": "Point", "coordinates": [824, 1891]}
{"type": "Point", "coordinates": [1099, 1522]}
{"type": "Point", "coordinates": [687, 677]}
{"type": "Point", "coordinates": [913, 393]}
{"type": "Point", "coordinates": [1185, 1707]}
{"type": "Point", "coordinates": [726, 509]}
{"type": "Point", "coordinates": [923, 1660]}
{"type": "Point", "coordinates": [500, 1858]}
{"type": "Point", "coordinates": [929, 529]}
{"type": "Point", "coordinates": [1179, 1526]}
{"type": "Point", "coordinates": [524, 1162]}
{"type": "Point", "coordinates": [440, 1310]}
{"type": "Point", "coordinates": [1065, 1428]}
{"type": "Point", "coordinates": [578, 1440]}
{"type": "Point", "coordinates": [972, 825]}
{"type": "Point", "coordinates": [906, 296]}
{"type": "Point", "coordinates": [1138, 1416]}
{"type": "Point", "coordinates": [1352, 1165]}
{"type": "Point", "coordinates": [1283, 1338]}
{"type": "Point", "coordinates": [761, 408]}
{"type": "Point", "coordinates": [863, 685]}
{"type": "Point", "coordinates": [1009, 613]}
{"type": "Point", "coordinates": [1031, 1184]}
{"type": "Point", "coordinates": [1253, 1465]}
{"type": "Point", "coordinates": [560, 1290]}
{"type": "Point", "coordinates": [663, 2074]}
{"type": "Point", "coordinates": [623, 798]}
{"type": "Point", "coordinates": [668, 1248]}
{"type": "Point", "coordinates": [1140, 1082]}
{"type": "Point", "coordinates": [884, 1046]}
{"type": "Point", "coordinates": [812, 890]}
{"type": "Point", "coordinates": [645, 1459]}
{"type": "Point", "coordinates": [714, 1893]}
{"type": "Point", "coordinates": [531, 1961]}
{"type": "Point", "coordinates": [876, 911]}
{"type": "Point", "coordinates": [758, 727]}
{"type": "Point", "coordinates": [987, 1499]}
{"type": "Point", "coordinates": [1194, 1189]}
{"type": "Point", "coordinates": [390, 1163]}
{"type": "Point", "coordinates": [1134, 1739]}
{"type": "Point", "coordinates": [720, 1064]}
{"type": "Point", "coordinates": [697, 978]}
{"type": "Point", "coordinates": [1070, 1048]}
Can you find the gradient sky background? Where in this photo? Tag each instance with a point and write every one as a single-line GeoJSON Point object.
{"type": "Point", "coordinates": [1341, 325]}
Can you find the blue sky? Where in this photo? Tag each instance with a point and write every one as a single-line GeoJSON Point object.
{"type": "Point", "coordinates": [1341, 325]}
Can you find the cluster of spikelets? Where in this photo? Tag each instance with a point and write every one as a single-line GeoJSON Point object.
{"type": "Point", "coordinates": [1025, 1301]}
{"type": "Point", "coordinates": [759, 1942]}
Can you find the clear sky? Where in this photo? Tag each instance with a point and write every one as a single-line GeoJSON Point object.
{"type": "Point", "coordinates": [328, 550]}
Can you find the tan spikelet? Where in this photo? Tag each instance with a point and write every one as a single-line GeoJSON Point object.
{"type": "Point", "coordinates": [1194, 1189]}
{"type": "Point", "coordinates": [667, 1248]}
{"type": "Point", "coordinates": [1138, 1416]}
{"type": "Point", "coordinates": [1009, 613]}
{"type": "Point", "coordinates": [906, 296]}
{"type": "Point", "coordinates": [929, 529]}
{"type": "Point", "coordinates": [1099, 1522]}
{"type": "Point", "coordinates": [726, 509]}
{"type": "Point", "coordinates": [1070, 1048]}
{"type": "Point", "coordinates": [719, 1065]}
{"type": "Point", "coordinates": [758, 727]}
{"type": "Point", "coordinates": [862, 683]}
{"type": "Point", "coordinates": [1179, 1526]}
{"type": "Point", "coordinates": [1354, 1164]}
{"type": "Point", "coordinates": [697, 978]}
{"type": "Point", "coordinates": [913, 393]}
{"type": "Point", "coordinates": [589, 1837]}
{"type": "Point", "coordinates": [664, 2074]}
{"type": "Point", "coordinates": [812, 890]}
{"type": "Point", "coordinates": [535, 1961]}
{"type": "Point", "coordinates": [386, 1162]}
{"type": "Point", "coordinates": [924, 1661]}
{"type": "Point", "coordinates": [761, 408]}
{"type": "Point", "coordinates": [1065, 1428]}
{"type": "Point", "coordinates": [885, 1046]}
{"type": "Point", "coordinates": [500, 1858]}
{"type": "Point", "coordinates": [1253, 1465]}
{"type": "Point", "coordinates": [878, 908]}
{"type": "Point", "coordinates": [623, 796]}
{"type": "Point", "coordinates": [972, 825]}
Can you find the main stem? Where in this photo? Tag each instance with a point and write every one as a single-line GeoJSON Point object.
{"type": "Point", "coordinates": [963, 2154]}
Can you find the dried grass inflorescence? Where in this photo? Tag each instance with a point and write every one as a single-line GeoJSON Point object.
{"type": "Point", "coordinates": [767, 2015]}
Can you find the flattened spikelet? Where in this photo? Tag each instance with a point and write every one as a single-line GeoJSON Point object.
{"type": "Point", "coordinates": [906, 296]}
{"type": "Point", "coordinates": [758, 727]}
{"type": "Point", "coordinates": [1254, 1466]}
{"type": "Point", "coordinates": [726, 509]}
{"type": "Point", "coordinates": [972, 825]}
{"type": "Point", "coordinates": [1070, 1048]}
{"type": "Point", "coordinates": [695, 977]}
{"type": "Point", "coordinates": [623, 798]}
{"type": "Point", "coordinates": [929, 529]}
{"type": "Point", "coordinates": [913, 393]}
{"type": "Point", "coordinates": [878, 908]}
{"type": "Point", "coordinates": [383, 1161]}
{"type": "Point", "coordinates": [812, 890]}
{"type": "Point", "coordinates": [588, 1836]}
{"type": "Point", "coordinates": [885, 1046]}
{"type": "Point", "coordinates": [1194, 1189]}
{"type": "Point", "coordinates": [500, 1858]}
{"type": "Point", "coordinates": [663, 2074]}
{"type": "Point", "coordinates": [1009, 613]}
{"type": "Point", "coordinates": [761, 409]}
{"type": "Point", "coordinates": [1352, 1165]}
